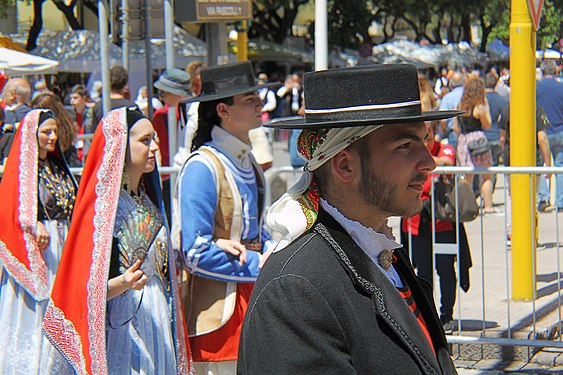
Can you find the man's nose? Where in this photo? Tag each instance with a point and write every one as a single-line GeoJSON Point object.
{"type": "Point", "coordinates": [427, 163]}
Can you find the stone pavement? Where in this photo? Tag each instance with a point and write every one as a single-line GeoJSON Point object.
{"type": "Point", "coordinates": [487, 310]}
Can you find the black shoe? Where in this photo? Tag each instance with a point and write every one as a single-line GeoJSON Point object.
{"type": "Point", "coordinates": [447, 322]}
{"type": "Point", "coordinates": [449, 327]}
{"type": "Point", "coordinates": [543, 205]}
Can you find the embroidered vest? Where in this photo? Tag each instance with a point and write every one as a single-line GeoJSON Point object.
{"type": "Point", "coordinates": [209, 304]}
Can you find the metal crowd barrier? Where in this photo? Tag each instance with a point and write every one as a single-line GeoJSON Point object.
{"type": "Point", "coordinates": [540, 306]}
{"type": "Point", "coordinates": [517, 320]}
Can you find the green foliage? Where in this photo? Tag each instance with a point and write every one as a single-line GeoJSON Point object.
{"type": "Point", "coordinates": [348, 22]}
{"type": "Point", "coordinates": [550, 23]}
{"type": "Point", "coordinates": [4, 5]}
{"type": "Point", "coordinates": [273, 19]}
{"type": "Point", "coordinates": [497, 13]}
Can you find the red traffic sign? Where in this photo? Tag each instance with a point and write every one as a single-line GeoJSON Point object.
{"type": "Point", "coordinates": [535, 7]}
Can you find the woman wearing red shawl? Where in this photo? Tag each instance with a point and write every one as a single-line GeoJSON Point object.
{"type": "Point", "coordinates": [115, 306]}
{"type": "Point", "coordinates": [38, 194]}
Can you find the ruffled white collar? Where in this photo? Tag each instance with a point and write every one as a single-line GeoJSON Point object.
{"type": "Point", "coordinates": [370, 241]}
{"type": "Point", "coordinates": [235, 149]}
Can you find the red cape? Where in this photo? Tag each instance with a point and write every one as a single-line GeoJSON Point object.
{"type": "Point", "coordinates": [75, 320]}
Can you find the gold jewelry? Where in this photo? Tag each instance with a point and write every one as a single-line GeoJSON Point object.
{"type": "Point", "coordinates": [385, 259]}
{"type": "Point", "coordinates": [126, 185]}
{"type": "Point", "coordinates": [61, 187]}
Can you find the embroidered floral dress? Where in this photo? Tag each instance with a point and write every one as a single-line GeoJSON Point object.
{"type": "Point", "coordinates": [139, 335]}
{"type": "Point", "coordinates": [25, 350]}
{"type": "Point", "coordinates": [137, 332]}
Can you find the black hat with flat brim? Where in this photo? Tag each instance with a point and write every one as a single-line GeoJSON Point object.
{"type": "Point", "coordinates": [361, 96]}
{"type": "Point", "coordinates": [225, 81]}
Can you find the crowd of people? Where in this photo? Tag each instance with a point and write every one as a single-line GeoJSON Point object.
{"type": "Point", "coordinates": [119, 271]}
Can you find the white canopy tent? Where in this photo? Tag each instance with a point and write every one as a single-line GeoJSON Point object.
{"type": "Point", "coordinates": [548, 54]}
{"type": "Point", "coordinates": [20, 63]}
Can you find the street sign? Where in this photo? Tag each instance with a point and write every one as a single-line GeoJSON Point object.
{"type": "Point", "coordinates": [212, 10]}
{"type": "Point", "coordinates": [535, 7]}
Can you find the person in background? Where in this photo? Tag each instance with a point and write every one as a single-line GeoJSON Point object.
{"type": "Point", "coordinates": [503, 84]}
{"type": "Point", "coordinates": [119, 93]}
{"type": "Point", "coordinates": [66, 128]}
{"type": "Point", "coordinates": [543, 158]}
{"type": "Point", "coordinates": [3, 80]}
{"type": "Point", "coordinates": [16, 96]}
{"type": "Point", "coordinates": [96, 93]}
{"type": "Point", "coordinates": [441, 86]}
{"type": "Point", "coordinates": [427, 98]}
{"type": "Point", "coordinates": [117, 282]}
{"type": "Point", "coordinates": [420, 226]}
{"type": "Point", "coordinates": [469, 128]}
{"type": "Point", "coordinates": [142, 101]}
{"type": "Point", "coordinates": [549, 96]}
{"type": "Point", "coordinates": [6, 140]}
{"type": "Point", "coordinates": [294, 156]}
{"type": "Point", "coordinates": [194, 71]}
{"type": "Point", "coordinates": [33, 230]}
{"type": "Point", "coordinates": [189, 112]}
{"type": "Point", "coordinates": [80, 102]}
{"type": "Point", "coordinates": [40, 88]}
{"type": "Point", "coordinates": [174, 86]}
{"type": "Point", "coordinates": [268, 97]}
{"type": "Point", "coordinates": [450, 101]}
{"type": "Point", "coordinates": [289, 97]}
{"type": "Point", "coordinates": [500, 114]}
{"type": "Point", "coordinates": [219, 212]}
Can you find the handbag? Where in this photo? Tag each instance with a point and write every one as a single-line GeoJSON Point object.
{"type": "Point", "coordinates": [478, 147]}
{"type": "Point", "coordinates": [445, 202]}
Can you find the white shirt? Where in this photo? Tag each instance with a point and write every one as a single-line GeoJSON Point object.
{"type": "Point", "coordinates": [370, 241]}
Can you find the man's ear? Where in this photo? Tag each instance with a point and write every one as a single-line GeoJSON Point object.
{"type": "Point", "coordinates": [345, 166]}
{"type": "Point", "coordinates": [222, 110]}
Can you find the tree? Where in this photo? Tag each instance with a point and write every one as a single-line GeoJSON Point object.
{"type": "Point", "coordinates": [499, 22]}
{"type": "Point", "coordinates": [428, 19]}
{"type": "Point", "coordinates": [36, 25]}
{"type": "Point", "coordinates": [67, 10]}
{"type": "Point", "coordinates": [273, 19]}
{"type": "Point", "coordinates": [348, 22]}
{"type": "Point", "coordinates": [550, 24]}
{"type": "Point", "coordinates": [494, 22]}
{"type": "Point", "coordinates": [4, 6]}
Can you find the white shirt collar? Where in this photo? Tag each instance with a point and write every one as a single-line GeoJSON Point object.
{"type": "Point", "coordinates": [238, 151]}
{"type": "Point", "coordinates": [370, 241]}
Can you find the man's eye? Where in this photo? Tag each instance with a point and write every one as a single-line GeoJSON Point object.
{"type": "Point", "coordinates": [405, 145]}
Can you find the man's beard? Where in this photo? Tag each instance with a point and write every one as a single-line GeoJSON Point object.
{"type": "Point", "coordinates": [381, 194]}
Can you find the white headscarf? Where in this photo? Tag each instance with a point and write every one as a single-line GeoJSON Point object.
{"type": "Point", "coordinates": [296, 211]}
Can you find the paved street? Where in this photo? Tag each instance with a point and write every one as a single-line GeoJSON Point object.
{"type": "Point", "coordinates": [502, 317]}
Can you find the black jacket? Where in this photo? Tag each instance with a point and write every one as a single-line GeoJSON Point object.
{"type": "Point", "coordinates": [321, 306]}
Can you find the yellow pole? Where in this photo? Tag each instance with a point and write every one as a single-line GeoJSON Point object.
{"type": "Point", "coordinates": [242, 42]}
{"type": "Point", "coordinates": [522, 148]}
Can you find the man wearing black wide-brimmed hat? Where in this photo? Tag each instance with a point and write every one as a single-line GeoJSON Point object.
{"type": "Point", "coordinates": [341, 297]}
{"type": "Point", "coordinates": [220, 202]}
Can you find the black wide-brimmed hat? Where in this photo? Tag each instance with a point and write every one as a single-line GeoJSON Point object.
{"type": "Point", "coordinates": [361, 96]}
{"type": "Point", "coordinates": [225, 81]}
